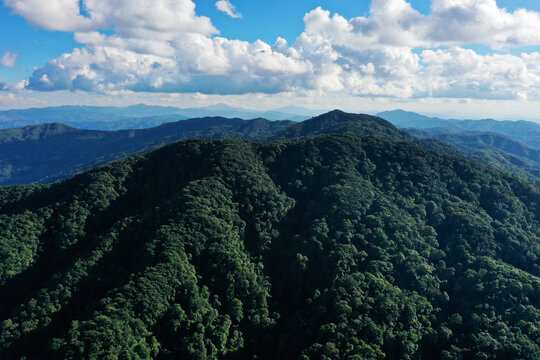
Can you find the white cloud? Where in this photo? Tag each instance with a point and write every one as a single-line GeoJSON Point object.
{"type": "Point", "coordinates": [226, 7]}
{"type": "Point", "coordinates": [462, 73]}
{"type": "Point", "coordinates": [9, 59]}
{"type": "Point", "coordinates": [11, 101]}
{"type": "Point", "coordinates": [21, 85]}
{"type": "Point", "coordinates": [208, 65]}
{"type": "Point", "coordinates": [96, 68]}
{"type": "Point", "coordinates": [395, 51]}
{"type": "Point", "coordinates": [452, 22]}
{"type": "Point", "coordinates": [458, 22]}
{"type": "Point", "coordinates": [158, 19]}
{"type": "Point", "coordinates": [63, 15]}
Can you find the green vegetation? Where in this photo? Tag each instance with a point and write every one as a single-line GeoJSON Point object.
{"type": "Point", "coordinates": [525, 132]}
{"type": "Point", "coordinates": [50, 152]}
{"type": "Point", "coordinates": [492, 149]}
{"type": "Point", "coordinates": [338, 122]}
{"type": "Point", "coordinates": [334, 247]}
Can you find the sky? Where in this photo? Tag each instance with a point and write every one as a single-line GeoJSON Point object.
{"type": "Point", "coordinates": [455, 58]}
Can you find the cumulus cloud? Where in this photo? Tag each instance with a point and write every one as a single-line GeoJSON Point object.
{"type": "Point", "coordinates": [9, 59]}
{"type": "Point", "coordinates": [395, 51]}
{"type": "Point", "coordinates": [159, 19]}
{"type": "Point", "coordinates": [451, 23]}
{"type": "Point", "coordinates": [226, 7]}
{"type": "Point", "coordinates": [458, 22]}
{"type": "Point", "coordinates": [209, 65]}
{"type": "Point", "coordinates": [459, 73]}
{"type": "Point", "coordinates": [3, 86]}
{"type": "Point", "coordinates": [11, 101]}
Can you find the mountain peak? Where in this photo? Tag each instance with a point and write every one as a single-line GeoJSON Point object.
{"type": "Point", "coordinates": [338, 121]}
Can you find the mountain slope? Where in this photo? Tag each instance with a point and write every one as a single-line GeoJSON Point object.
{"type": "Point", "coordinates": [492, 149]}
{"type": "Point", "coordinates": [45, 153]}
{"type": "Point", "coordinates": [337, 122]}
{"type": "Point", "coordinates": [525, 132]}
{"type": "Point", "coordinates": [336, 247]}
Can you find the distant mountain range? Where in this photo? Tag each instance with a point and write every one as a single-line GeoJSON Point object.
{"type": "Point", "coordinates": [507, 145]}
{"type": "Point", "coordinates": [49, 152]}
{"type": "Point", "coordinates": [526, 132]}
{"type": "Point", "coordinates": [137, 116]}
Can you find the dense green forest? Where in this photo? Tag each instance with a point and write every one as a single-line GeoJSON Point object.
{"type": "Point", "coordinates": [51, 152]}
{"type": "Point", "coordinates": [492, 149]}
{"type": "Point", "coordinates": [332, 247]}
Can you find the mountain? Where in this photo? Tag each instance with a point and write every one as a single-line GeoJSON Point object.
{"type": "Point", "coordinates": [90, 117]}
{"type": "Point", "coordinates": [492, 149]}
{"type": "Point", "coordinates": [525, 132]}
{"type": "Point", "coordinates": [50, 152]}
{"type": "Point", "coordinates": [300, 111]}
{"type": "Point", "coordinates": [337, 121]}
{"type": "Point", "coordinates": [335, 247]}
{"type": "Point", "coordinates": [297, 114]}
{"type": "Point", "coordinates": [133, 117]}
{"type": "Point", "coordinates": [46, 153]}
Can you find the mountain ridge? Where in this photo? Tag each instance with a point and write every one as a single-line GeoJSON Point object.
{"type": "Point", "coordinates": [56, 151]}
{"type": "Point", "coordinates": [70, 150]}
{"type": "Point", "coordinates": [335, 246]}
{"type": "Point", "coordinates": [523, 131]}
{"type": "Point", "coordinates": [135, 116]}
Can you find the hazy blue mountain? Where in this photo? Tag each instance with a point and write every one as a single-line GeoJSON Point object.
{"type": "Point", "coordinates": [298, 110]}
{"type": "Point", "coordinates": [477, 140]}
{"type": "Point", "coordinates": [526, 132]}
{"type": "Point", "coordinates": [297, 114]}
{"type": "Point", "coordinates": [493, 149]}
{"type": "Point", "coordinates": [45, 153]}
{"type": "Point", "coordinates": [135, 117]}
{"type": "Point", "coordinates": [49, 152]}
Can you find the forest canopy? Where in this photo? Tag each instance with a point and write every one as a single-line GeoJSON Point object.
{"type": "Point", "coordinates": [333, 247]}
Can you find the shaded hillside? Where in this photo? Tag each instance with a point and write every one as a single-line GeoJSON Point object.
{"type": "Point", "coordinates": [485, 149]}
{"type": "Point", "coordinates": [491, 149]}
{"type": "Point", "coordinates": [50, 152]}
{"type": "Point", "coordinates": [525, 132]}
{"type": "Point", "coordinates": [336, 247]}
{"type": "Point", "coordinates": [45, 153]}
{"type": "Point", "coordinates": [476, 140]}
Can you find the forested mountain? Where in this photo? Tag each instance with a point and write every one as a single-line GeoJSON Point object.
{"type": "Point", "coordinates": [335, 247]}
{"type": "Point", "coordinates": [337, 122]}
{"type": "Point", "coordinates": [136, 116]}
{"type": "Point", "coordinates": [525, 132]}
{"type": "Point", "coordinates": [45, 153]}
{"type": "Point", "coordinates": [50, 152]}
{"type": "Point", "coordinates": [492, 149]}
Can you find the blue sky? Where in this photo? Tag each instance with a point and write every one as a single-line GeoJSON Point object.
{"type": "Point", "coordinates": [450, 56]}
